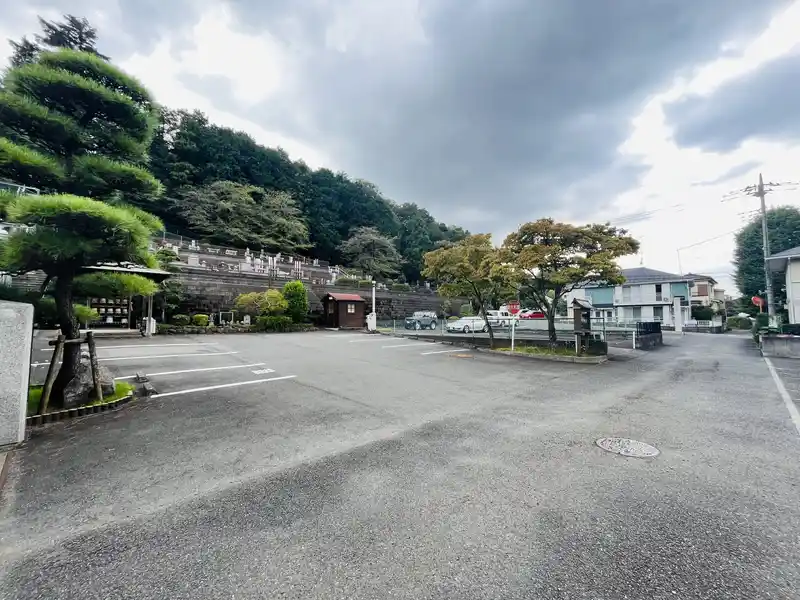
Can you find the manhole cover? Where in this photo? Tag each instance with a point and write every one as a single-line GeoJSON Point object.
{"type": "Point", "coordinates": [627, 447]}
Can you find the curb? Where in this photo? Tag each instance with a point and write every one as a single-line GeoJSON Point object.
{"type": "Point", "coordinates": [5, 461]}
{"type": "Point", "coordinates": [79, 411]}
{"type": "Point", "coordinates": [583, 360]}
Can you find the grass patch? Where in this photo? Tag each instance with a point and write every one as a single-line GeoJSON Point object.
{"type": "Point", "coordinates": [540, 350]}
{"type": "Point", "coordinates": [121, 389]}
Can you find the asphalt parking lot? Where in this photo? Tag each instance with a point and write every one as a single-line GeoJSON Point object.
{"type": "Point", "coordinates": [345, 465]}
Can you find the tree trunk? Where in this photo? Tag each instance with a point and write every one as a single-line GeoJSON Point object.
{"type": "Point", "coordinates": [551, 325]}
{"type": "Point", "coordinates": [488, 327]}
{"type": "Point", "coordinates": [71, 330]}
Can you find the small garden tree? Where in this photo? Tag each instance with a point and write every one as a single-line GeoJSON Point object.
{"type": "Point", "coordinates": [470, 268]}
{"type": "Point", "coordinates": [269, 303]}
{"type": "Point", "coordinates": [70, 122]}
{"type": "Point", "coordinates": [296, 300]}
{"type": "Point", "coordinates": [550, 259]}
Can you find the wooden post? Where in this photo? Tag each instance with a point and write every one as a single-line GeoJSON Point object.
{"type": "Point", "coordinates": [98, 391]}
{"type": "Point", "coordinates": [52, 370]}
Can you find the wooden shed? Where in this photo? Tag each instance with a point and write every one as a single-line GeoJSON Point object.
{"type": "Point", "coordinates": [344, 310]}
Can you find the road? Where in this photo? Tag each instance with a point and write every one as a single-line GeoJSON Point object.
{"type": "Point", "coordinates": [330, 465]}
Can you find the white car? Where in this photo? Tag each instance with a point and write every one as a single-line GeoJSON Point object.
{"type": "Point", "coordinates": [499, 318]}
{"type": "Point", "coordinates": [467, 325]}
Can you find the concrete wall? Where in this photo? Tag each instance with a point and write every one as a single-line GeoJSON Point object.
{"type": "Point", "coordinates": [16, 336]}
{"type": "Point", "coordinates": [793, 290]}
{"type": "Point", "coordinates": [781, 346]}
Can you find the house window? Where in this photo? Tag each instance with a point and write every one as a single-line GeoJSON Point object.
{"type": "Point", "coordinates": [658, 312]}
{"type": "Point", "coordinates": [637, 313]}
{"type": "Point", "coordinates": [351, 308]}
{"type": "Point", "coordinates": [658, 292]}
{"type": "Point", "coordinates": [626, 294]}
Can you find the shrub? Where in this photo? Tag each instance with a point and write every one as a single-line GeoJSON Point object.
{"type": "Point", "coordinates": [702, 313]}
{"type": "Point", "coordinates": [346, 282]}
{"type": "Point", "coordinates": [760, 322]}
{"type": "Point", "coordinates": [85, 314]}
{"type": "Point", "coordinates": [739, 323]}
{"type": "Point", "coordinates": [364, 283]}
{"type": "Point", "coordinates": [791, 328]}
{"type": "Point", "coordinates": [273, 323]}
{"type": "Point", "coordinates": [200, 320]}
{"type": "Point", "coordinates": [181, 320]}
{"type": "Point", "coordinates": [401, 287]}
{"type": "Point", "coordinates": [297, 301]}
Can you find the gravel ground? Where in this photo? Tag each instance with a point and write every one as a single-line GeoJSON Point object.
{"type": "Point", "coordinates": [387, 468]}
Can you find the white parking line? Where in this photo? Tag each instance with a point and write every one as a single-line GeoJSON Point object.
{"type": "Point", "coordinates": [408, 345]}
{"type": "Point", "coordinates": [444, 351]}
{"type": "Point", "coordinates": [377, 338]}
{"type": "Point", "coordinates": [99, 347]}
{"type": "Point", "coordinates": [787, 399]}
{"type": "Point", "coordinates": [343, 335]}
{"type": "Point", "coordinates": [195, 370]}
{"type": "Point", "coordinates": [224, 385]}
{"type": "Point", "coordinates": [148, 356]}
{"type": "Point", "coordinates": [165, 356]}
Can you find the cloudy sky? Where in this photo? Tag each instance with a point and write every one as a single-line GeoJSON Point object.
{"type": "Point", "coordinates": [491, 113]}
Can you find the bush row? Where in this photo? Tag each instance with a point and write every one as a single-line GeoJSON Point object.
{"type": "Point", "coordinates": [167, 329]}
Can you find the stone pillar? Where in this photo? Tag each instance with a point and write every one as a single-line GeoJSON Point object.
{"type": "Point", "coordinates": [676, 303]}
{"type": "Point", "coordinates": [16, 336]}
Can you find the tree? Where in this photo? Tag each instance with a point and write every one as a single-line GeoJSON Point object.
{"type": "Point", "coordinates": [73, 33]}
{"type": "Point", "coordinates": [190, 152]}
{"type": "Point", "coordinates": [551, 259]}
{"type": "Point", "coordinates": [225, 212]}
{"type": "Point", "coordinates": [113, 285]}
{"type": "Point", "coordinates": [471, 268]}
{"type": "Point", "coordinates": [74, 123]}
{"type": "Point", "coordinates": [371, 253]}
{"type": "Point", "coordinates": [783, 227]}
{"type": "Point", "coordinates": [296, 300]}
{"type": "Point", "coordinates": [250, 303]}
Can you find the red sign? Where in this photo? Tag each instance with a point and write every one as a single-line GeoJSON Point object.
{"type": "Point", "coordinates": [513, 307]}
{"type": "Point", "coordinates": [757, 301]}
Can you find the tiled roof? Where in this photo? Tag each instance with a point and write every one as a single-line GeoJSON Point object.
{"type": "Point", "coordinates": [787, 253]}
{"type": "Point", "coordinates": [645, 275]}
{"type": "Point", "coordinates": [346, 297]}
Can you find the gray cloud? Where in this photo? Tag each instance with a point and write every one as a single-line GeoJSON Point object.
{"type": "Point", "coordinates": [508, 106]}
{"type": "Point", "coordinates": [732, 173]}
{"type": "Point", "coordinates": [498, 111]}
{"type": "Point", "coordinates": [139, 24]}
{"type": "Point", "coordinates": [762, 104]}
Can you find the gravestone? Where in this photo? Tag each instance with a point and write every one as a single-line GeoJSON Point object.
{"type": "Point", "coordinates": [16, 335]}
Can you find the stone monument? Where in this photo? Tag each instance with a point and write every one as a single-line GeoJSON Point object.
{"type": "Point", "coordinates": [16, 336]}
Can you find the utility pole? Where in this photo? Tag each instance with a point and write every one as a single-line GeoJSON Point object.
{"type": "Point", "coordinates": [760, 191]}
{"type": "Point", "coordinates": [761, 194]}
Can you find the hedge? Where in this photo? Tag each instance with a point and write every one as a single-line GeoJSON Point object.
{"type": "Point", "coordinates": [200, 320]}
{"type": "Point", "coordinates": [166, 329]}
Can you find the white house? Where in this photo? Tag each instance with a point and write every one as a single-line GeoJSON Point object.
{"type": "Point", "coordinates": [646, 295]}
{"type": "Point", "coordinates": [705, 291]}
{"type": "Point", "coordinates": [788, 262]}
